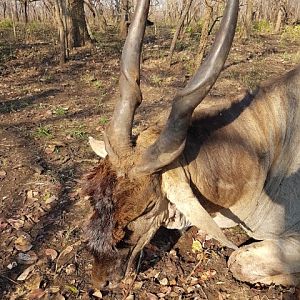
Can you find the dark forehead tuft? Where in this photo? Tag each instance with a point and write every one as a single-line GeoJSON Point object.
{"type": "Point", "coordinates": [116, 202]}
{"type": "Point", "coordinates": [99, 186]}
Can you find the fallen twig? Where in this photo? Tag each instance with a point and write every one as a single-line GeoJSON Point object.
{"type": "Point", "coordinates": [194, 269]}
{"type": "Point", "coordinates": [9, 279]}
{"type": "Point", "coordinates": [127, 292]}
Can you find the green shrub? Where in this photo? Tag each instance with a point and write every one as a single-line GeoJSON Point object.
{"type": "Point", "coordinates": [6, 24]}
{"type": "Point", "coordinates": [291, 57]}
{"type": "Point", "coordinates": [263, 26]}
{"type": "Point", "coordinates": [195, 28]}
{"type": "Point", "coordinates": [291, 33]}
{"type": "Point", "coordinates": [43, 132]}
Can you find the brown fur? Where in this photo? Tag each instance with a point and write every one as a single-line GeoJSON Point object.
{"type": "Point", "coordinates": [233, 142]}
{"type": "Point", "coordinates": [116, 201]}
{"type": "Point", "coordinates": [99, 186]}
{"type": "Point", "coordinates": [232, 149]}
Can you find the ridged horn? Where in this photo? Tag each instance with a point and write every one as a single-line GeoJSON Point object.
{"type": "Point", "coordinates": [171, 141]}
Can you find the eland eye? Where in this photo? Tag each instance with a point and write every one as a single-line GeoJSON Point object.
{"type": "Point", "coordinates": [123, 244]}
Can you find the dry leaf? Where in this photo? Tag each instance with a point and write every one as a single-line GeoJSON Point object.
{"type": "Point", "coordinates": [70, 269]}
{"type": "Point", "coordinates": [164, 281]}
{"type": "Point", "coordinates": [174, 295]}
{"type": "Point", "coordinates": [34, 281]}
{"type": "Point", "coordinates": [2, 174]}
{"type": "Point", "coordinates": [58, 297]}
{"type": "Point", "coordinates": [27, 258]}
{"type": "Point", "coordinates": [208, 274]}
{"type": "Point", "coordinates": [51, 199]}
{"type": "Point", "coordinates": [194, 280]}
{"type": "Point", "coordinates": [12, 265]}
{"type": "Point", "coordinates": [165, 290]}
{"type": "Point", "coordinates": [51, 253]}
{"type": "Point", "coordinates": [151, 296]}
{"type": "Point", "coordinates": [204, 277]}
{"type": "Point", "coordinates": [137, 285]}
{"type": "Point", "coordinates": [59, 143]}
{"type": "Point", "coordinates": [23, 243]}
{"type": "Point", "coordinates": [190, 289]}
{"type": "Point", "coordinates": [97, 294]}
{"type": "Point", "coordinates": [29, 195]}
{"type": "Point", "coordinates": [178, 289]}
{"type": "Point", "coordinates": [50, 149]}
{"type": "Point", "coordinates": [25, 274]}
{"type": "Point", "coordinates": [211, 273]}
{"type": "Point", "coordinates": [173, 252]}
{"type": "Point", "coordinates": [64, 257]}
{"type": "Point", "coordinates": [17, 224]}
{"type": "Point", "coordinates": [54, 289]}
{"type": "Point", "coordinates": [36, 294]}
{"type": "Point", "coordinates": [3, 224]}
{"type": "Point", "coordinates": [220, 297]}
{"type": "Point", "coordinates": [73, 194]}
{"type": "Point", "coordinates": [151, 273]}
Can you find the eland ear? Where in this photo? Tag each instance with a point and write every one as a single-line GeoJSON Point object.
{"type": "Point", "coordinates": [98, 147]}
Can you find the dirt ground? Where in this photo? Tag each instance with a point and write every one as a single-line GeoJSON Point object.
{"type": "Point", "coordinates": [46, 114]}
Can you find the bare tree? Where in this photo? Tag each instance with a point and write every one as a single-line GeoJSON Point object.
{"type": "Point", "coordinates": [281, 16]}
{"type": "Point", "coordinates": [78, 33]}
{"type": "Point", "coordinates": [208, 15]}
{"type": "Point", "coordinates": [16, 11]}
{"type": "Point", "coordinates": [4, 8]}
{"type": "Point", "coordinates": [97, 14]}
{"type": "Point", "coordinates": [247, 20]}
{"type": "Point", "coordinates": [59, 14]}
{"type": "Point", "coordinates": [124, 19]}
{"type": "Point", "coordinates": [25, 10]}
{"type": "Point", "coordinates": [179, 27]}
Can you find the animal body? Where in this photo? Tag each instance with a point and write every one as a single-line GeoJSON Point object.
{"type": "Point", "coordinates": [225, 163]}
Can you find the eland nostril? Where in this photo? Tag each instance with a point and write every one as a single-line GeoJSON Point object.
{"type": "Point", "coordinates": [104, 285]}
{"type": "Point", "coordinates": [107, 285]}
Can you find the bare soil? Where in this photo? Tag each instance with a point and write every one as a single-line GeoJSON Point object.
{"type": "Point", "coordinates": [46, 114]}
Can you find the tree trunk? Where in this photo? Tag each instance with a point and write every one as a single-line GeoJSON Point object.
{"type": "Point", "coordinates": [204, 33]}
{"type": "Point", "coordinates": [102, 22]}
{"type": "Point", "coordinates": [116, 11]}
{"type": "Point", "coordinates": [98, 15]}
{"type": "Point", "coordinates": [16, 11]}
{"type": "Point", "coordinates": [61, 31]}
{"type": "Point", "coordinates": [124, 19]}
{"type": "Point", "coordinates": [4, 10]}
{"type": "Point", "coordinates": [12, 15]}
{"type": "Point", "coordinates": [78, 33]}
{"type": "Point", "coordinates": [25, 11]}
{"type": "Point", "coordinates": [248, 20]}
{"type": "Point", "coordinates": [93, 39]}
{"type": "Point", "coordinates": [280, 18]}
{"type": "Point", "coordinates": [178, 28]}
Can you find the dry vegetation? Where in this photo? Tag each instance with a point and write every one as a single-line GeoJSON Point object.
{"type": "Point", "coordinates": [47, 112]}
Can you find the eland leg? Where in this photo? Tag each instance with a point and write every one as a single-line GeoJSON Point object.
{"type": "Point", "coordinates": [268, 261]}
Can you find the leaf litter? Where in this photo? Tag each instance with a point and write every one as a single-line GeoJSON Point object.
{"type": "Point", "coordinates": [43, 250]}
